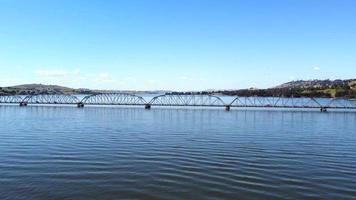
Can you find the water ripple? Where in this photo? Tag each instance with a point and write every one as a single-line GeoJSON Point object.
{"type": "Point", "coordinates": [132, 153]}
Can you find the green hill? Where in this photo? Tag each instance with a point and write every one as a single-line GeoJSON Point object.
{"type": "Point", "coordinates": [36, 89]}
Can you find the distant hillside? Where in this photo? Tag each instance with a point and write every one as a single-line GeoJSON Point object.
{"type": "Point", "coordinates": [322, 88]}
{"type": "Point", "coordinates": [319, 84]}
{"type": "Point", "coordinates": [312, 88]}
{"type": "Point", "coordinates": [32, 89]}
{"type": "Point", "coordinates": [36, 89]}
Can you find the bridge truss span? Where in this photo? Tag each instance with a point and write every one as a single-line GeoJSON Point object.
{"type": "Point", "coordinates": [278, 102]}
{"type": "Point", "coordinates": [11, 99]}
{"type": "Point", "coordinates": [113, 99]}
{"type": "Point", "coordinates": [293, 102]}
{"type": "Point", "coordinates": [187, 100]}
{"type": "Point", "coordinates": [50, 99]}
{"type": "Point", "coordinates": [196, 100]}
{"type": "Point", "coordinates": [341, 103]}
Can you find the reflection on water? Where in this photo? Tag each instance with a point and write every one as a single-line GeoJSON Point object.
{"type": "Point", "coordinates": [133, 153]}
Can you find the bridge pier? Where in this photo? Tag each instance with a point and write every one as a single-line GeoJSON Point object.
{"type": "Point", "coordinates": [323, 109]}
{"type": "Point", "coordinates": [147, 106]}
{"type": "Point", "coordinates": [227, 108]}
{"type": "Point", "coordinates": [80, 105]}
{"type": "Point", "coordinates": [23, 104]}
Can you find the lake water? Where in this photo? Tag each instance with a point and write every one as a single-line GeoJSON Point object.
{"type": "Point", "coordinates": [67, 153]}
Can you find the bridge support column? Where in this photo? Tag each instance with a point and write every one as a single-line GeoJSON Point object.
{"type": "Point", "coordinates": [23, 104]}
{"type": "Point", "coordinates": [80, 105]}
{"type": "Point", "coordinates": [227, 108]}
{"type": "Point", "coordinates": [147, 106]}
{"type": "Point", "coordinates": [323, 109]}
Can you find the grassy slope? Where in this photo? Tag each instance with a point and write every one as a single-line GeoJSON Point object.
{"type": "Point", "coordinates": [36, 89]}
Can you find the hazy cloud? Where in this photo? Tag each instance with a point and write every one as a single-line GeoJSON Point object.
{"type": "Point", "coordinates": [76, 71]}
{"type": "Point", "coordinates": [130, 78]}
{"type": "Point", "coordinates": [187, 78]}
{"type": "Point", "coordinates": [51, 73]}
{"type": "Point", "coordinates": [183, 78]}
{"type": "Point", "coordinates": [104, 78]}
{"type": "Point", "coordinates": [56, 72]}
{"type": "Point", "coordinates": [316, 68]}
{"type": "Point", "coordinates": [151, 81]}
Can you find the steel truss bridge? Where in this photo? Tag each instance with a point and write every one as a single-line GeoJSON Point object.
{"type": "Point", "coordinates": [182, 100]}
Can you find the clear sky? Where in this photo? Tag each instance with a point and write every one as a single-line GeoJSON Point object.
{"type": "Point", "coordinates": [175, 44]}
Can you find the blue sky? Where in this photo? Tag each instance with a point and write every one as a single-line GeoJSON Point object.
{"type": "Point", "coordinates": [175, 44]}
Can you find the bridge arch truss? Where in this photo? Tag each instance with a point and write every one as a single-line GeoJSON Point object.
{"type": "Point", "coordinates": [182, 100]}
{"type": "Point", "coordinates": [281, 102]}
{"type": "Point", "coordinates": [113, 99]}
{"type": "Point", "coordinates": [293, 102]}
{"type": "Point", "coordinates": [341, 103]}
{"type": "Point", "coordinates": [187, 100]}
{"type": "Point", "coordinates": [50, 99]}
{"type": "Point", "coordinates": [11, 99]}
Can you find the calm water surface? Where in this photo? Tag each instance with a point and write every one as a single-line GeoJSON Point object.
{"type": "Point", "coordinates": [68, 153]}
